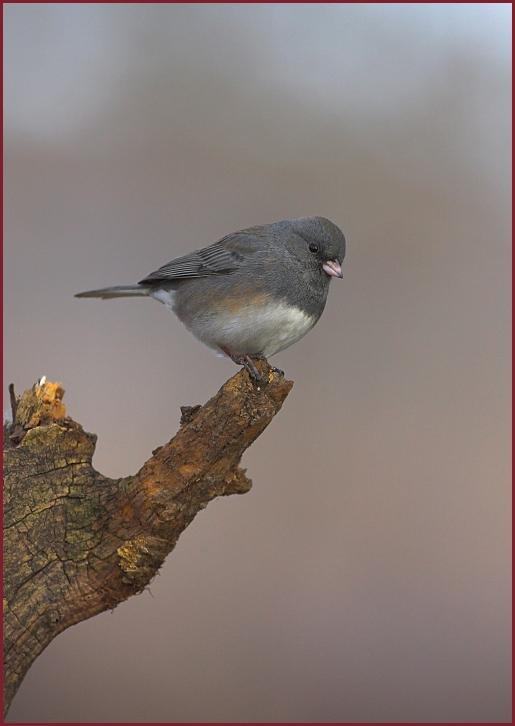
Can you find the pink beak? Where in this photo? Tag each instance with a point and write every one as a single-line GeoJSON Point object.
{"type": "Point", "coordinates": [332, 268]}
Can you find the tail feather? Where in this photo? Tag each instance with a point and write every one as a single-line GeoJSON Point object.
{"type": "Point", "coordinates": [106, 293]}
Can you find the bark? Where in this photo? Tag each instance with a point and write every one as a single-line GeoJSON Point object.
{"type": "Point", "coordinates": [77, 543]}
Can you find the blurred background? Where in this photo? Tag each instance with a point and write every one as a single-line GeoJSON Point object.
{"type": "Point", "coordinates": [138, 132]}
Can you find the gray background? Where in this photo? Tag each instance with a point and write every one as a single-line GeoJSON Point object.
{"type": "Point", "coordinates": [366, 576]}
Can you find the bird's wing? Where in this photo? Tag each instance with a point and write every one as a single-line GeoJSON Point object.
{"type": "Point", "coordinates": [224, 256]}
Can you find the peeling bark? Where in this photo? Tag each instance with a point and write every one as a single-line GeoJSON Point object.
{"type": "Point", "coordinates": [77, 543]}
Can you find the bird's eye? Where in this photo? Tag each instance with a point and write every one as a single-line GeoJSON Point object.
{"type": "Point", "coordinates": [313, 247]}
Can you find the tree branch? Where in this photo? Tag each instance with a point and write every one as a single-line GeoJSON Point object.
{"type": "Point", "coordinates": [77, 543]}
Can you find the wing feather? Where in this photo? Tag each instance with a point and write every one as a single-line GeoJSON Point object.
{"type": "Point", "coordinates": [222, 257]}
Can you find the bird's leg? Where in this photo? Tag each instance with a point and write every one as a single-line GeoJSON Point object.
{"type": "Point", "coordinates": [251, 369]}
{"type": "Point", "coordinates": [245, 360]}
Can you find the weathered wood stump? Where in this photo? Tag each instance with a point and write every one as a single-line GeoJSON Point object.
{"type": "Point", "coordinates": [77, 543]}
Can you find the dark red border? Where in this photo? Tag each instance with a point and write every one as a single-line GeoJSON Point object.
{"type": "Point", "coordinates": [199, 2]}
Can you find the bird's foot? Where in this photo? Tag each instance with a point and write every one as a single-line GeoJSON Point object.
{"type": "Point", "coordinates": [248, 362]}
{"type": "Point", "coordinates": [245, 360]}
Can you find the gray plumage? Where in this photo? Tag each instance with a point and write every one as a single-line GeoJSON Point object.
{"type": "Point", "coordinates": [107, 293]}
{"type": "Point", "coordinates": [253, 292]}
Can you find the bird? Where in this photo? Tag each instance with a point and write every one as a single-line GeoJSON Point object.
{"type": "Point", "coordinates": [252, 293]}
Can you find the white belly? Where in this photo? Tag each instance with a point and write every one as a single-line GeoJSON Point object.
{"type": "Point", "coordinates": [262, 330]}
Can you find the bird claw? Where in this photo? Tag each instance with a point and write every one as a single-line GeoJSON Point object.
{"type": "Point", "coordinates": [247, 362]}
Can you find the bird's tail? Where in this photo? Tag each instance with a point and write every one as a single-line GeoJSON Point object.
{"type": "Point", "coordinates": [106, 293]}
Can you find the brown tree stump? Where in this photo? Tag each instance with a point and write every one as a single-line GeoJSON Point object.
{"type": "Point", "coordinates": [77, 543]}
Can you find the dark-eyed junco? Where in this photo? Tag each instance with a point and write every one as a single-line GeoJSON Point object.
{"type": "Point", "coordinates": [252, 293]}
